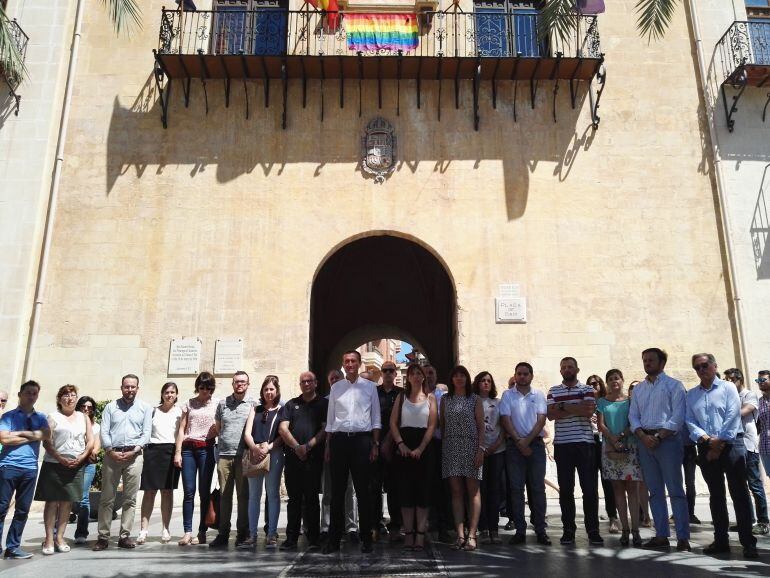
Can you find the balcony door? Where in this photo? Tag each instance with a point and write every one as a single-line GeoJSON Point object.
{"type": "Point", "coordinates": [250, 26]}
{"type": "Point", "coordinates": [507, 28]}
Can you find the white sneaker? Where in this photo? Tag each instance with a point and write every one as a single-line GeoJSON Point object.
{"type": "Point", "coordinates": [142, 538]}
{"type": "Point", "coordinates": [165, 536]}
{"type": "Point", "coordinates": [81, 540]}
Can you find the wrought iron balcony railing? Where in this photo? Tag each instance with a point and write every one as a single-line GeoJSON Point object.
{"type": "Point", "coordinates": [274, 32]}
{"type": "Point", "coordinates": [744, 57]}
{"type": "Point", "coordinates": [264, 44]}
{"type": "Point", "coordinates": [19, 39]}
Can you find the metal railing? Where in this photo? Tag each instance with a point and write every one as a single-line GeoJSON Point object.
{"type": "Point", "coordinates": [744, 43]}
{"type": "Point", "coordinates": [20, 40]}
{"type": "Point", "coordinates": [230, 31]}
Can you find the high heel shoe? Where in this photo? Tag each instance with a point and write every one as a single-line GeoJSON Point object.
{"type": "Point", "coordinates": [48, 550]}
{"type": "Point", "coordinates": [63, 547]}
{"type": "Point", "coordinates": [165, 537]}
{"type": "Point", "coordinates": [186, 540]}
{"type": "Point", "coordinates": [624, 538]}
{"type": "Point", "coordinates": [459, 544]}
{"type": "Point", "coordinates": [142, 537]}
{"type": "Point", "coordinates": [470, 544]}
{"type": "Point", "coordinates": [637, 541]}
{"type": "Point", "coordinates": [419, 547]}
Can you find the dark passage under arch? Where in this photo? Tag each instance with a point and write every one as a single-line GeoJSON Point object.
{"type": "Point", "coordinates": [382, 281]}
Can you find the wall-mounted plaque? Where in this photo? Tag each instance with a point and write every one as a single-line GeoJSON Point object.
{"type": "Point", "coordinates": [511, 310]}
{"type": "Point", "coordinates": [184, 356]}
{"type": "Point", "coordinates": [228, 356]}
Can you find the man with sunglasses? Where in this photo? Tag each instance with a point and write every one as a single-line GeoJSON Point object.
{"type": "Point", "coordinates": [714, 421]}
{"type": "Point", "coordinates": [21, 431]}
{"type": "Point", "coordinates": [387, 392]}
{"type": "Point", "coordinates": [763, 422]}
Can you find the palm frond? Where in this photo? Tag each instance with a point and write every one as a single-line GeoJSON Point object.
{"type": "Point", "coordinates": [11, 60]}
{"type": "Point", "coordinates": [558, 17]}
{"type": "Point", "coordinates": [654, 17]}
{"type": "Point", "coordinates": [125, 14]}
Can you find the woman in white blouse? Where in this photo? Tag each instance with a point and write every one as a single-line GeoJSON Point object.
{"type": "Point", "coordinates": [159, 472]}
{"type": "Point", "coordinates": [61, 475]}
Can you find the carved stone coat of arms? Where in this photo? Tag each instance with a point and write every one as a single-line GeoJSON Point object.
{"type": "Point", "coordinates": [378, 149]}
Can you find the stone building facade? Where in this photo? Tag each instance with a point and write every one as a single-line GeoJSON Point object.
{"type": "Point", "coordinates": [226, 226]}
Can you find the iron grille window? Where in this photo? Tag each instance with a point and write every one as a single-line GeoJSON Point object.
{"type": "Point", "coordinates": [250, 27]}
{"type": "Point", "coordinates": [507, 29]}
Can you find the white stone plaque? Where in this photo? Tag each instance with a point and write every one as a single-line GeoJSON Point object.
{"type": "Point", "coordinates": [511, 310]}
{"type": "Point", "coordinates": [184, 356]}
{"type": "Point", "coordinates": [228, 356]}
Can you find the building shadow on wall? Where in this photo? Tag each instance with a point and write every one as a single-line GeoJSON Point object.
{"type": "Point", "coordinates": [760, 228]}
{"type": "Point", "coordinates": [207, 132]}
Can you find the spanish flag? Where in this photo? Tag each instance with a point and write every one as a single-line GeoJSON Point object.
{"type": "Point", "coordinates": [371, 32]}
{"type": "Point", "coordinates": [331, 6]}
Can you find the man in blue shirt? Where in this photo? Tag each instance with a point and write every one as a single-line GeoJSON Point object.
{"type": "Point", "coordinates": [21, 431]}
{"type": "Point", "coordinates": [714, 420]}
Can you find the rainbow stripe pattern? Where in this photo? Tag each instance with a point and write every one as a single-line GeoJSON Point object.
{"type": "Point", "coordinates": [371, 32]}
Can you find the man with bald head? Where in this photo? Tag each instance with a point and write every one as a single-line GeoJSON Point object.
{"type": "Point", "coordinates": [301, 426]}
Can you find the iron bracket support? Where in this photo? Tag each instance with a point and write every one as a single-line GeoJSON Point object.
{"type": "Point", "coordinates": [204, 76]}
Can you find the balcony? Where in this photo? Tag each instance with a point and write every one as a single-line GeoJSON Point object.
{"type": "Point", "coordinates": [743, 53]}
{"type": "Point", "coordinates": [272, 44]}
{"type": "Point", "coordinates": [13, 77]}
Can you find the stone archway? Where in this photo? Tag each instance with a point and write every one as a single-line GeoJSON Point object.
{"type": "Point", "coordinates": [382, 285]}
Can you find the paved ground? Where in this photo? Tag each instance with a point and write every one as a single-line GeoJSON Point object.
{"type": "Point", "coordinates": [170, 560]}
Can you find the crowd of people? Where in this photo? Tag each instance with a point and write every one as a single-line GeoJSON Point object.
{"type": "Point", "coordinates": [449, 458]}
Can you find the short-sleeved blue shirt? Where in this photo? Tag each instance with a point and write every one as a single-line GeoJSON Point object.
{"type": "Point", "coordinates": [23, 456]}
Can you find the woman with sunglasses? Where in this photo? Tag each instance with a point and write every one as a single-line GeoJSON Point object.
{"type": "Point", "coordinates": [195, 454]}
{"type": "Point", "coordinates": [159, 471]}
{"type": "Point", "coordinates": [61, 476]}
{"type": "Point", "coordinates": [260, 436]}
{"type": "Point", "coordinates": [87, 406]}
{"type": "Point", "coordinates": [597, 383]}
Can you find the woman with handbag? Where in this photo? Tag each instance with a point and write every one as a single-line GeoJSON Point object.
{"type": "Point", "coordinates": [195, 454]}
{"type": "Point", "coordinates": [264, 452]}
{"type": "Point", "coordinates": [620, 457]}
{"type": "Point", "coordinates": [412, 423]}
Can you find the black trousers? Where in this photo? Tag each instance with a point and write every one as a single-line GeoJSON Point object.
{"type": "Point", "coordinates": [385, 480]}
{"type": "Point", "coordinates": [609, 492]}
{"type": "Point", "coordinates": [303, 484]}
{"type": "Point", "coordinates": [350, 456]}
{"type": "Point", "coordinates": [689, 463]}
{"type": "Point", "coordinates": [580, 457]}
{"type": "Point", "coordinates": [730, 464]}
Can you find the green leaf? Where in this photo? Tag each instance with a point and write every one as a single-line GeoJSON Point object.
{"type": "Point", "coordinates": [558, 17]}
{"type": "Point", "coordinates": [654, 17]}
{"type": "Point", "coordinates": [11, 60]}
{"type": "Point", "coordinates": [125, 15]}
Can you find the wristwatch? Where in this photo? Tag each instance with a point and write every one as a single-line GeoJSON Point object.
{"type": "Point", "coordinates": [376, 444]}
{"type": "Point", "coordinates": [657, 436]}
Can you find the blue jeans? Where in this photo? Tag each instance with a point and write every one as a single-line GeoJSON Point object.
{"type": "Point", "coordinates": [197, 466]}
{"type": "Point", "coordinates": [22, 482]}
{"type": "Point", "coordinates": [754, 478]}
{"type": "Point", "coordinates": [273, 482]}
{"type": "Point", "coordinates": [523, 470]}
{"type": "Point", "coordinates": [84, 510]}
{"type": "Point", "coordinates": [662, 470]}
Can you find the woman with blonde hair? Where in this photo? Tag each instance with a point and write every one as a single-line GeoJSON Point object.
{"type": "Point", "coordinates": [61, 476]}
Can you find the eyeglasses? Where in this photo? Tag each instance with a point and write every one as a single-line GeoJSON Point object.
{"type": "Point", "coordinates": [307, 380]}
{"type": "Point", "coordinates": [69, 394]}
{"type": "Point", "coordinates": [88, 408]}
{"type": "Point", "coordinates": [701, 366]}
{"type": "Point", "coordinates": [760, 380]}
{"type": "Point", "coordinates": [4, 400]}
{"type": "Point", "coordinates": [388, 370]}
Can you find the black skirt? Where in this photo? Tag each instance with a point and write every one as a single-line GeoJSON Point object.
{"type": "Point", "coordinates": [58, 483]}
{"type": "Point", "coordinates": [158, 472]}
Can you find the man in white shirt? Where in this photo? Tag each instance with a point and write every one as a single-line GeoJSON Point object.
{"type": "Point", "coordinates": [523, 413]}
{"type": "Point", "coordinates": [353, 424]}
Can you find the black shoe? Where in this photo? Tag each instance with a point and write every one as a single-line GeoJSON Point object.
{"type": "Point", "coordinates": [695, 520]}
{"type": "Point", "coordinates": [330, 548]}
{"type": "Point", "coordinates": [367, 547]}
{"type": "Point", "coordinates": [288, 544]}
{"type": "Point", "coordinates": [567, 538]}
{"type": "Point", "coordinates": [683, 546]}
{"type": "Point", "coordinates": [509, 526]}
{"type": "Point", "coordinates": [518, 538]}
{"type": "Point", "coordinates": [715, 548]}
{"type": "Point", "coordinates": [353, 537]}
{"type": "Point", "coordinates": [543, 539]}
{"type": "Point", "coordinates": [657, 543]}
{"type": "Point", "coordinates": [383, 530]}
{"type": "Point", "coordinates": [240, 539]}
{"type": "Point", "coordinates": [750, 552]}
{"type": "Point", "coordinates": [220, 541]}
{"type": "Point", "coordinates": [17, 554]}
{"type": "Point", "coordinates": [595, 539]}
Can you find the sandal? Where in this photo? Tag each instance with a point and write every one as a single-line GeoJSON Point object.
{"type": "Point", "coordinates": [408, 536]}
{"type": "Point", "coordinates": [624, 537]}
{"type": "Point", "coordinates": [186, 540]}
{"type": "Point", "coordinates": [470, 544]}
{"type": "Point", "coordinates": [419, 547]}
{"type": "Point", "coordinates": [637, 541]}
{"type": "Point", "coordinates": [142, 538]}
{"type": "Point", "coordinates": [459, 544]}
{"type": "Point", "coordinates": [63, 547]}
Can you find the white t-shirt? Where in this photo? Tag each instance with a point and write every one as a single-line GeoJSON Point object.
{"type": "Point", "coordinates": [492, 422]}
{"type": "Point", "coordinates": [164, 425]}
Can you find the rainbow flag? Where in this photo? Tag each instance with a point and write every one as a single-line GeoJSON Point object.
{"type": "Point", "coordinates": [381, 31]}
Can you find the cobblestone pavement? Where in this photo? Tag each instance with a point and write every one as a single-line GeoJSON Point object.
{"type": "Point", "coordinates": [157, 559]}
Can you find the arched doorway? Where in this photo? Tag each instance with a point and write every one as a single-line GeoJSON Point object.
{"type": "Point", "coordinates": [382, 285]}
